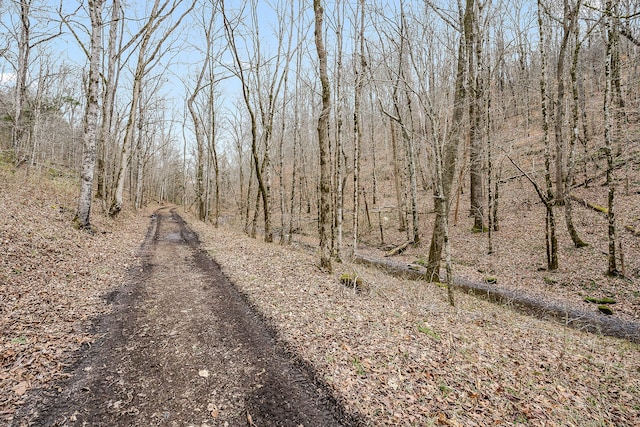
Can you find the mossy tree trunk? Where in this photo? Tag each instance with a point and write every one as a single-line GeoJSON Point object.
{"type": "Point", "coordinates": [575, 237]}
{"type": "Point", "coordinates": [608, 143]}
{"type": "Point", "coordinates": [323, 139]}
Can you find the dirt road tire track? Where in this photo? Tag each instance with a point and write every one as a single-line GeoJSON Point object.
{"type": "Point", "coordinates": [183, 347]}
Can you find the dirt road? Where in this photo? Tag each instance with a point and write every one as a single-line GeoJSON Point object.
{"type": "Point", "coordinates": [184, 348]}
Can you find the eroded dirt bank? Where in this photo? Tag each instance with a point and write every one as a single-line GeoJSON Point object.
{"type": "Point", "coordinates": [183, 348]}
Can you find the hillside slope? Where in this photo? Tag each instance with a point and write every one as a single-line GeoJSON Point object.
{"type": "Point", "coordinates": [53, 278]}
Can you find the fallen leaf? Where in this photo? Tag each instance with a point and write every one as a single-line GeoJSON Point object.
{"type": "Point", "coordinates": [21, 388]}
{"type": "Point", "coordinates": [250, 420]}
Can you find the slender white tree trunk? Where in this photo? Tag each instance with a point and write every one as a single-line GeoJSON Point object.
{"type": "Point", "coordinates": [82, 217]}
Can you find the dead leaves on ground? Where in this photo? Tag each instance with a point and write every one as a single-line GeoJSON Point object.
{"type": "Point", "coordinates": [53, 280]}
{"type": "Point", "coordinates": [402, 356]}
{"type": "Point", "coordinates": [398, 355]}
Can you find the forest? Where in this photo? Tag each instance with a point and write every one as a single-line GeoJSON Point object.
{"type": "Point", "coordinates": [493, 141]}
{"type": "Point", "coordinates": [426, 104]}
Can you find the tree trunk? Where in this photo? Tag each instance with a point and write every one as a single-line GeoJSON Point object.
{"type": "Point", "coordinates": [612, 269]}
{"type": "Point", "coordinates": [296, 142]}
{"type": "Point", "coordinates": [440, 191]}
{"type": "Point", "coordinates": [406, 135]}
{"type": "Point", "coordinates": [569, 182]}
{"type": "Point", "coordinates": [357, 128]}
{"type": "Point", "coordinates": [294, 172]}
{"type": "Point", "coordinates": [323, 143]}
{"type": "Point", "coordinates": [375, 167]}
{"type": "Point", "coordinates": [24, 50]}
{"type": "Point", "coordinates": [116, 204]}
{"type": "Point", "coordinates": [567, 24]}
{"type": "Point", "coordinates": [402, 208]}
{"type": "Point", "coordinates": [213, 149]}
{"type": "Point", "coordinates": [548, 198]}
{"type": "Point", "coordinates": [281, 190]}
{"type": "Point", "coordinates": [450, 153]}
{"type": "Point", "coordinates": [339, 175]}
{"type": "Point", "coordinates": [491, 199]}
{"type": "Point", "coordinates": [82, 217]}
{"type": "Point", "coordinates": [139, 172]}
{"type": "Point", "coordinates": [476, 161]}
{"type": "Point", "coordinates": [198, 132]}
{"type": "Point", "coordinates": [413, 185]}
{"type": "Point", "coordinates": [109, 93]}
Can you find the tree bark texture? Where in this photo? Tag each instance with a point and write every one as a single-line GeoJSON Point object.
{"type": "Point", "coordinates": [83, 214]}
{"type": "Point", "coordinates": [450, 151]}
{"type": "Point", "coordinates": [608, 143]}
{"type": "Point", "coordinates": [323, 140]}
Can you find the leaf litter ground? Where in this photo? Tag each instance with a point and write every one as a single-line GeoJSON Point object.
{"type": "Point", "coordinates": [53, 279]}
{"type": "Point", "coordinates": [401, 356]}
{"type": "Point", "coordinates": [183, 348]}
{"type": "Point", "coordinates": [398, 355]}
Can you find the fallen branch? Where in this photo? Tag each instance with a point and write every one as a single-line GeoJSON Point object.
{"type": "Point", "coordinates": [398, 249]}
{"type": "Point", "coordinates": [524, 302]}
{"type": "Point", "coordinates": [631, 229]}
{"type": "Point", "coordinates": [585, 203]}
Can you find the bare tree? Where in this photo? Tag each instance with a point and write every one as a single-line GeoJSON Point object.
{"type": "Point", "coordinates": [358, 131]}
{"type": "Point", "coordinates": [450, 150]}
{"type": "Point", "coordinates": [296, 141]}
{"type": "Point", "coordinates": [475, 85]}
{"type": "Point", "coordinates": [574, 134]}
{"type": "Point", "coordinates": [262, 82]}
{"type": "Point", "coordinates": [24, 50]}
{"type": "Point", "coordinates": [568, 20]}
{"type": "Point", "coordinates": [609, 73]}
{"type": "Point", "coordinates": [401, 115]}
{"type": "Point", "coordinates": [27, 39]}
{"type": "Point", "coordinates": [148, 54]}
{"type": "Point", "coordinates": [109, 92]}
{"type": "Point", "coordinates": [213, 158]}
{"type": "Point", "coordinates": [82, 217]}
{"type": "Point", "coordinates": [323, 140]}
{"type": "Point", "coordinates": [439, 192]}
{"type": "Point", "coordinates": [547, 197]}
{"type": "Point", "coordinates": [201, 203]}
